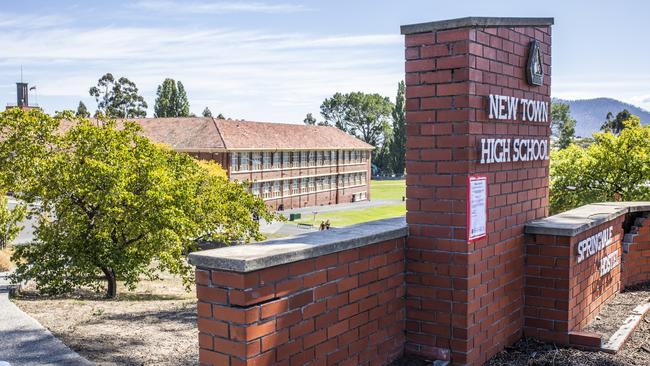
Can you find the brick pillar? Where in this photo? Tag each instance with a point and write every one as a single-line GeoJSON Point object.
{"type": "Point", "coordinates": [465, 298]}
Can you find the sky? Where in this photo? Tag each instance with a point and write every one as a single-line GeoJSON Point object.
{"type": "Point", "coordinates": [276, 61]}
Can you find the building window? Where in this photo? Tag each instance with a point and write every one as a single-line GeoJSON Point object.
{"type": "Point", "coordinates": [363, 178]}
{"type": "Point", "coordinates": [276, 189]}
{"type": "Point", "coordinates": [256, 161]}
{"type": "Point", "coordinates": [286, 159]}
{"type": "Point", "coordinates": [326, 158]}
{"type": "Point", "coordinates": [348, 157]}
{"type": "Point", "coordinates": [319, 183]}
{"type": "Point", "coordinates": [341, 180]}
{"type": "Point", "coordinates": [255, 189]}
{"type": "Point", "coordinates": [319, 158]}
{"type": "Point", "coordinates": [234, 162]}
{"type": "Point", "coordinates": [303, 185]}
{"type": "Point", "coordinates": [312, 158]}
{"type": "Point", "coordinates": [312, 185]}
{"type": "Point", "coordinates": [304, 158]}
{"type": "Point", "coordinates": [266, 189]}
{"type": "Point", "coordinates": [334, 157]}
{"type": "Point", "coordinates": [266, 160]}
{"type": "Point", "coordinates": [294, 186]}
{"type": "Point", "coordinates": [295, 160]}
{"type": "Point", "coordinates": [244, 161]}
{"type": "Point", "coordinates": [276, 160]}
{"type": "Point", "coordinates": [326, 182]}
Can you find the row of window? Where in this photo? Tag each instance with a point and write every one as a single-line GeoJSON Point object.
{"type": "Point", "coordinates": [289, 187]}
{"type": "Point", "coordinates": [246, 161]}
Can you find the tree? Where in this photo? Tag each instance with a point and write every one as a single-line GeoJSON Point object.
{"type": "Point", "coordinates": [171, 100]}
{"type": "Point", "coordinates": [398, 140]}
{"type": "Point", "coordinates": [82, 111]}
{"type": "Point", "coordinates": [333, 111]}
{"type": "Point", "coordinates": [207, 112]}
{"type": "Point", "coordinates": [562, 124]}
{"type": "Point", "coordinates": [616, 124]}
{"type": "Point", "coordinates": [309, 119]}
{"type": "Point", "coordinates": [10, 220]}
{"type": "Point", "coordinates": [220, 116]}
{"type": "Point", "coordinates": [115, 206]}
{"type": "Point", "coordinates": [118, 99]}
{"type": "Point", "coordinates": [612, 168]}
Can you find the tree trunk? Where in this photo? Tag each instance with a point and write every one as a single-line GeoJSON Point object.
{"type": "Point", "coordinates": [111, 282]}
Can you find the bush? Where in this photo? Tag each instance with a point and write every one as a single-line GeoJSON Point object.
{"type": "Point", "coordinates": [5, 260]}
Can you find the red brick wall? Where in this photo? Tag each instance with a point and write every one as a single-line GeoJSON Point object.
{"type": "Point", "coordinates": [563, 296]}
{"type": "Point", "coordinates": [636, 257]}
{"type": "Point", "coordinates": [467, 297]}
{"type": "Point", "coordinates": [345, 308]}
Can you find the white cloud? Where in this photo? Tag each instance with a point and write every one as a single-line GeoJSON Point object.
{"type": "Point", "coordinates": [222, 7]}
{"type": "Point", "coordinates": [251, 74]}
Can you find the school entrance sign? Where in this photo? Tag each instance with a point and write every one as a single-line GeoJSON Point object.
{"type": "Point", "coordinates": [478, 104]}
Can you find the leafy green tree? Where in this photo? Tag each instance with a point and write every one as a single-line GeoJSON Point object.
{"type": "Point", "coordinates": [171, 100]}
{"type": "Point", "coordinates": [616, 124]}
{"type": "Point", "coordinates": [207, 112]}
{"type": "Point", "coordinates": [563, 126]}
{"type": "Point", "coordinates": [309, 119]}
{"type": "Point", "coordinates": [118, 98]}
{"type": "Point", "coordinates": [82, 111]}
{"type": "Point", "coordinates": [220, 116]}
{"type": "Point", "coordinates": [333, 111]}
{"type": "Point", "coordinates": [115, 206]}
{"type": "Point", "coordinates": [398, 140]}
{"type": "Point", "coordinates": [10, 220]}
{"type": "Point", "coordinates": [613, 168]}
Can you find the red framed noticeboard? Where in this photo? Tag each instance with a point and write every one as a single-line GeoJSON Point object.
{"type": "Point", "coordinates": [477, 195]}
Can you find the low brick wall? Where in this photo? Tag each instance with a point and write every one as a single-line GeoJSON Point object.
{"type": "Point", "coordinates": [342, 305]}
{"type": "Point", "coordinates": [575, 264]}
{"type": "Point", "coordinates": [636, 252]}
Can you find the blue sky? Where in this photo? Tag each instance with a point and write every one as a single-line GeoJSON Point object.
{"type": "Point", "coordinates": [277, 60]}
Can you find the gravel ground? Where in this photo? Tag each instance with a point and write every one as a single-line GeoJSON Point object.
{"type": "Point", "coordinates": [155, 325]}
{"type": "Point", "coordinates": [614, 313]}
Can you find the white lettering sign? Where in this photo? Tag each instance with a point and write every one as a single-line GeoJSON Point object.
{"type": "Point", "coordinates": [594, 244]}
{"type": "Point", "coordinates": [511, 150]}
{"type": "Point", "coordinates": [504, 107]}
{"type": "Point", "coordinates": [608, 263]}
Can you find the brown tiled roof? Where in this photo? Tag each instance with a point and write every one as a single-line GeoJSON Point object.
{"type": "Point", "coordinates": [208, 134]}
{"type": "Point", "coordinates": [246, 135]}
{"type": "Point", "coordinates": [183, 134]}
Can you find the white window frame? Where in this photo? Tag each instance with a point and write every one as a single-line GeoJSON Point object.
{"type": "Point", "coordinates": [244, 161]}
{"type": "Point", "coordinates": [295, 187]}
{"type": "Point", "coordinates": [234, 162]}
{"type": "Point", "coordinates": [266, 160]}
{"type": "Point", "coordinates": [256, 161]}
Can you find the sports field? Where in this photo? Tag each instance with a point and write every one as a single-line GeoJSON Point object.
{"type": "Point", "coordinates": [387, 190]}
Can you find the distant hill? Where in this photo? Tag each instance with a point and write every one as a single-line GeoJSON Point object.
{"type": "Point", "coordinates": [590, 113]}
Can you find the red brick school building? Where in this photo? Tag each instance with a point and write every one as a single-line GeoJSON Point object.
{"type": "Point", "coordinates": [288, 165]}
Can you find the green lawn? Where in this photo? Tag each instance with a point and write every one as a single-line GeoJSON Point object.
{"type": "Point", "coordinates": [387, 190]}
{"type": "Point", "coordinates": [351, 217]}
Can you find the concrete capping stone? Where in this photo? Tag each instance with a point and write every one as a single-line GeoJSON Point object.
{"type": "Point", "coordinates": [475, 22]}
{"type": "Point", "coordinates": [253, 257]}
{"type": "Point", "coordinates": [581, 219]}
{"type": "Point", "coordinates": [618, 339]}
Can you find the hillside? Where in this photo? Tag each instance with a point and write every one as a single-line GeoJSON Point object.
{"type": "Point", "coordinates": [590, 113]}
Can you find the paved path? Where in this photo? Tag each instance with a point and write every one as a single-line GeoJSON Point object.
{"type": "Point", "coordinates": [340, 207]}
{"type": "Point", "coordinates": [23, 341]}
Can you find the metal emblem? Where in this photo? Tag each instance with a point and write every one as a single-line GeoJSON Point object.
{"type": "Point", "coordinates": [535, 69]}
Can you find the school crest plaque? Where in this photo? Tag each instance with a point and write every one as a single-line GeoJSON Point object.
{"type": "Point", "coordinates": [535, 69]}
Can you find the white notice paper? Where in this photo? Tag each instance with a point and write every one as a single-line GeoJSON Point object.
{"type": "Point", "coordinates": [477, 207]}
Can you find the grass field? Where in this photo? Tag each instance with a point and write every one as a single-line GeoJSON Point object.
{"type": "Point", "coordinates": [387, 190]}
{"type": "Point", "coordinates": [391, 190]}
{"type": "Point", "coordinates": [351, 217]}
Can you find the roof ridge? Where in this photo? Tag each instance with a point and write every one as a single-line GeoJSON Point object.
{"type": "Point", "coordinates": [214, 122]}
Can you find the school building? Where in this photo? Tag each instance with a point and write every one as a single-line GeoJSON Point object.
{"type": "Point", "coordinates": [287, 165]}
